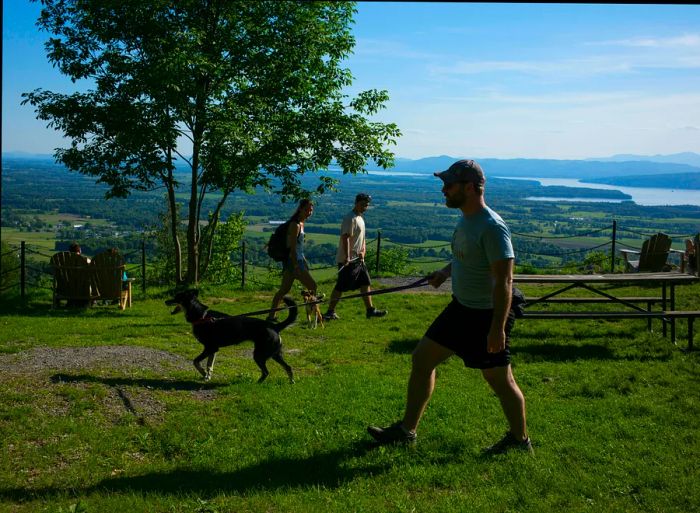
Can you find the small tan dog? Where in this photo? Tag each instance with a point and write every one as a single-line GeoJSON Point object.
{"type": "Point", "coordinates": [313, 311]}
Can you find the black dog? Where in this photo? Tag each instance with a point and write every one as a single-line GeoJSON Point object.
{"type": "Point", "coordinates": [216, 329]}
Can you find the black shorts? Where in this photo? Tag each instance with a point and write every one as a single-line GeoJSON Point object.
{"type": "Point", "coordinates": [352, 276]}
{"type": "Point", "coordinates": [465, 331]}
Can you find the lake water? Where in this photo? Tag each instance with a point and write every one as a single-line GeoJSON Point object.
{"type": "Point", "coordinates": [647, 196]}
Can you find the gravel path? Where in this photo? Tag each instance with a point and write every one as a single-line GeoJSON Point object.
{"type": "Point", "coordinates": [88, 358]}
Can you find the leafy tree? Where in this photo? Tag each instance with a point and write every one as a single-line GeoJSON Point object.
{"type": "Point", "coordinates": [227, 239]}
{"type": "Point", "coordinates": [163, 258]}
{"type": "Point", "coordinates": [243, 94]}
{"type": "Point", "coordinates": [392, 261]}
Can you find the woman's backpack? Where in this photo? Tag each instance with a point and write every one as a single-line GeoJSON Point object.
{"type": "Point", "coordinates": [277, 245]}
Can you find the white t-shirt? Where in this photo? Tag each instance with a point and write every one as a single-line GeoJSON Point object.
{"type": "Point", "coordinates": [353, 225]}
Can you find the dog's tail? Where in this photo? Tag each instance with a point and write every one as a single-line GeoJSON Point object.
{"type": "Point", "coordinates": [291, 318]}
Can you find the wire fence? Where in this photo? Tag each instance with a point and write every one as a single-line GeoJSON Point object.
{"type": "Point", "coordinates": [26, 267]}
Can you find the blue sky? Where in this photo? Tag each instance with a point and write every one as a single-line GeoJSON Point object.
{"type": "Point", "coordinates": [478, 80]}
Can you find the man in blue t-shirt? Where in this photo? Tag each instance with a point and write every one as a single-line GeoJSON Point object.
{"type": "Point", "coordinates": [476, 324]}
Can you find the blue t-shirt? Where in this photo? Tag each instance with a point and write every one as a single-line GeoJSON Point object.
{"type": "Point", "coordinates": [479, 240]}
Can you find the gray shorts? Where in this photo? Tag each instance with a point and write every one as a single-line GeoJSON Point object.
{"type": "Point", "coordinates": [465, 331]}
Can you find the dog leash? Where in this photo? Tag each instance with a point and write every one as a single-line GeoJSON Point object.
{"type": "Point", "coordinates": [415, 284]}
{"type": "Point", "coordinates": [418, 283]}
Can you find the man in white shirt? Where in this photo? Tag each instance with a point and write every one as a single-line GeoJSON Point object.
{"type": "Point", "coordinates": [352, 271]}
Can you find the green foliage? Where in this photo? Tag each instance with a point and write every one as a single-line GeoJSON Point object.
{"type": "Point", "coordinates": [257, 88]}
{"type": "Point", "coordinates": [223, 267]}
{"type": "Point", "coordinates": [594, 262]}
{"type": "Point", "coordinates": [162, 260]}
{"type": "Point", "coordinates": [392, 261]}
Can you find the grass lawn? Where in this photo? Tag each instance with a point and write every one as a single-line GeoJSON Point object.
{"type": "Point", "coordinates": [102, 411]}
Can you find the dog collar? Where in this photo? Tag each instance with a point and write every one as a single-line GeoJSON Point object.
{"type": "Point", "coordinates": [205, 318]}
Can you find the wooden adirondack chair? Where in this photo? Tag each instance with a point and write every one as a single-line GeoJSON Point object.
{"type": "Point", "coordinates": [72, 279]}
{"type": "Point", "coordinates": [108, 269]}
{"type": "Point", "coordinates": [652, 257]}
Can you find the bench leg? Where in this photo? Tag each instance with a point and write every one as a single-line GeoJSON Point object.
{"type": "Point", "coordinates": [663, 304]}
{"type": "Point", "coordinates": [673, 319]}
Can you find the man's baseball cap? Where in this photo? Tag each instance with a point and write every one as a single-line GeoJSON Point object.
{"type": "Point", "coordinates": [462, 171]}
{"type": "Point", "coordinates": [363, 197]}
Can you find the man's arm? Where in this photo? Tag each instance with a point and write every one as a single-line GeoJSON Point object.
{"type": "Point", "coordinates": [502, 271]}
{"type": "Point", "coordinates": [437, 278]}
{"type": "Point", "coordinates": [345, 244]}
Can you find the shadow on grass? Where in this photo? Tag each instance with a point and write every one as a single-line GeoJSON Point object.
{"type": "Point", "coordinates": [155, 384]}
{"type": "Point", "coordinates": [572, 352]}
{"type": "Point", "coordinates": [551, 352]}
{"type": "Point", "coordinates": [402, 346]}
{"type": "Point", "coordinates": [45, 310]}
{"type": "Point", "coordinates": [563, 352]}
{"type": "Point", "coordinates": [327, 470]}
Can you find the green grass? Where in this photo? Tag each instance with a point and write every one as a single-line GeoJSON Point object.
{"type": "Point", "coordinates": [612, 409]}
{"type": "Point", "coordinates": [37, 241]}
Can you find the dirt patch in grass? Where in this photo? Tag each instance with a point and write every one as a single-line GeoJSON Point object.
{"type": "Point", "coordinates": [89, 358]}
{"type": "Point", "coordinates": [105, 380]}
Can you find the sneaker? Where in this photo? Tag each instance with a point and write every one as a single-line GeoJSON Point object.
{"type": "Point", "coordinates": [394, 434]}
{"type": "Point", "coordinates": [331, 316]}
{"type": "Point", "coordinates": [373, 312]}
{"type": "Point", "coordinates": [509, 442]}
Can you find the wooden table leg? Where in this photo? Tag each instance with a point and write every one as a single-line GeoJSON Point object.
{"type": "Point", "coordinates": [673, 319]}
{"type": "Point", "coordinates": [663, 304]}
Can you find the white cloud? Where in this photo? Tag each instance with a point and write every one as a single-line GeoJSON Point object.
{"type": "Point", "coordinates": [684, 41]}
{"type": "Point", "coordinates": [390, 49]}
{"type": "Point", "coordinates": [557, 99]}
{"type": "Point", "coordinates": [568, 68]}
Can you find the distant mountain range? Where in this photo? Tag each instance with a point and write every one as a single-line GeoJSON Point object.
{"type": "Point", "coordinates": [550, 168]}
{"type": "Point", "coordinates": [681, 164]}
{"type": "Point", "coordinates": [688, 157]}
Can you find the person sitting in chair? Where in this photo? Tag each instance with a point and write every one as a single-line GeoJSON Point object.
{"type": "Point", "coordinates": [77, 303]}
{"type": "Point", "coordinates": [691, 257]}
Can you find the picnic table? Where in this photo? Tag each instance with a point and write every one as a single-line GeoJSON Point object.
{"type": "Point", "coordinates": [594, 284]}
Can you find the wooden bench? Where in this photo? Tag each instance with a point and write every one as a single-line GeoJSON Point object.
{"type": "Point", "coordinates": [587, 300]}
{"type": "Point", "coordinates": [690, 315]}
{"type": "Point", "coordinates": [557, 299]}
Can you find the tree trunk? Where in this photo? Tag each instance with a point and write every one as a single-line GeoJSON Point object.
{"type": "Point", "coordinates": [193, 230]}
{"type": "Point", "coordinates": [174, 221]}
{"type": "Point", "coordinates": [209, 239]}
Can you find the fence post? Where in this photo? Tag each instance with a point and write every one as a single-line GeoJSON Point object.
{"type": "Point", "coordinates": [243, 264]}
{"type": "Point", "coordinates": [379, 244]}
{"type": "Point", "coordinates": [143, 266]}
{"type": "Point", "coordinates": [23, 270]}
{"type": "Point", "coordinates": [612, 247]}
